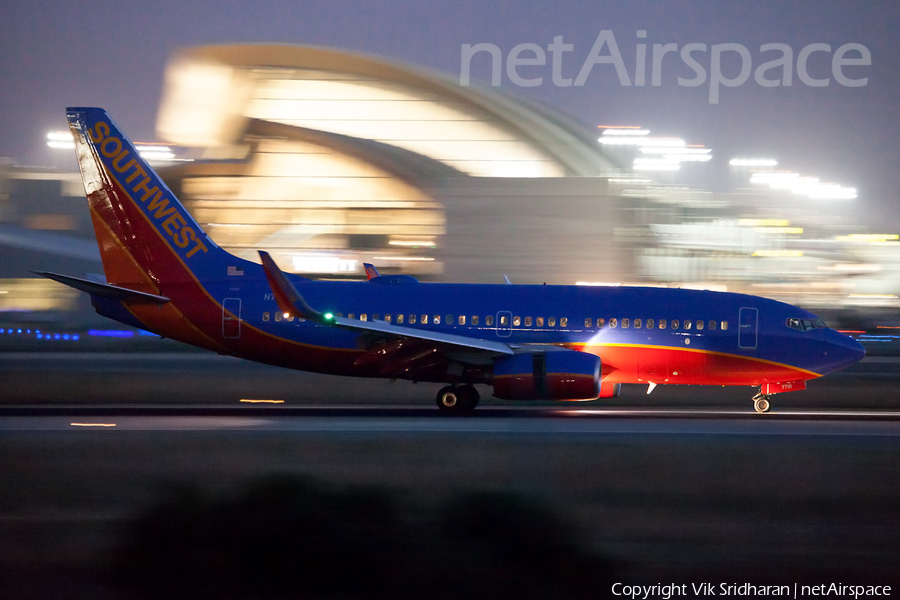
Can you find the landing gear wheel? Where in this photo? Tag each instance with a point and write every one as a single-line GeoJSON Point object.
{"type": "Point", "coordinates": [761, 404]}
{"type": "Point", "coordinates": [448, 399]}
{"type": "Point", "coordinates": [469, 396]}
{"type": "Point", "coordinates": [452, 400]}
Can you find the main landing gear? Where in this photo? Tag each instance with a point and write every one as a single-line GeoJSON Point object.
{"type": "Point", "coordinates": [761, 403]}
{"type": "Point", "coordinates": [457, 400]}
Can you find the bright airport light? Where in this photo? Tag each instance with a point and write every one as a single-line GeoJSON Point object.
{"type": "Point", "coordinates": [665, 154]}
{"type": "Point", "coordinates": [680, 151]}
{"type": "Point", "coordinates": [810, 187]}
{"type": "Point", "coordinates": [625, 131]}
{"type": "Point", "coordinates": [152, 152]}
{"type": "Point", "coordinates": [662, 155]}
{"type": "Point", "coordinates": [632, 140]}
{"type": "Point", "coordinates": [656, 166]}
{"type": "Point", "coordinates": [60, 140]}
{"type": "Point", "coordinates": [753, 162]}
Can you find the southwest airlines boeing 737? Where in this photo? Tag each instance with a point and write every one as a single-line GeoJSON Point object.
{"type": "Point", "coordinates": [528, 342]}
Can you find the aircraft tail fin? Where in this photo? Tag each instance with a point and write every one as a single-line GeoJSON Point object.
{"type": "Point", "coordinates": [371, 271]}
{"type": "Point", "coordinates": [146, 236]}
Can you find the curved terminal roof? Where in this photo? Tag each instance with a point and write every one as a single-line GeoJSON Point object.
{"type": "Point", "coordinates": [214, 94]}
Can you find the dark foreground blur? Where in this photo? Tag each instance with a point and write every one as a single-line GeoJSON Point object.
{"type": "Point", "coordinates": [461, 513]}
{"type": "Point", "coordinates": [285, 536]}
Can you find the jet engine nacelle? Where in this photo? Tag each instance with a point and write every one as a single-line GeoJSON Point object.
{"type": "Point", "coordinates": [554, 375]}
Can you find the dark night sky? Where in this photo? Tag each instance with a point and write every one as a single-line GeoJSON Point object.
{"type": "Point", "coordinates": [113, 54]}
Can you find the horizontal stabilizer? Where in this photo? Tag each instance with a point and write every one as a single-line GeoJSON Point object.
{"type": "Point", "coordinates": [104, 290]}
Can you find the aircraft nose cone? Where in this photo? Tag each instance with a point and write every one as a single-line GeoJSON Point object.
{"type": "Point", "coordinates": [843, 351]}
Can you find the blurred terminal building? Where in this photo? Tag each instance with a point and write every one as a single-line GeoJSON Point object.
{"type": "Point", "coordinates": [329, 159]}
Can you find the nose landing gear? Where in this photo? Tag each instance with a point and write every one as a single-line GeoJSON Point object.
{"type": "Point", "coordinates": [761, 403]}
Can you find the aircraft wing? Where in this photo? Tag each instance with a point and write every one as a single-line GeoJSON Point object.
{"type": "Point", "coordinates": [460, 342]}
{"type": "Point", "coordinates": [290, 301]}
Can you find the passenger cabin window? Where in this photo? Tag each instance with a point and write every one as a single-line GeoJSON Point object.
{"type": "Point", "coordinates": [399, 319]}
{"type": "Point", "coordinates": [649, 323]}
{"type": "Point", "coordinates": [540, 321]}
{"type": "Point", "coordinates": [662, 323]}
{"type": "Point", "coordinates": [424, 319]}
{"type": "Point", "coordinates": [363, 317]}
{"type": "Point", "coordinates": [489, 320]}
{"type": "Point", "coordinates": [504, 320]}
{"type": "Point", "coordinates": [687, 324]}
{"type": "Point", "coordinates": [675, 324]}
{"type": "Point", "coordinates": [278, 317]}
{"type": "Point", "coordinates": [625, 323]}
{"type": "Point", "coordinates": [551, 321]}
{"type": "Point", "coordinates": [527, 321]}
{"type": "Point", "coordinates": [588, 322]}
{"type": "Point", "coordinates": [723, 325]}
{"type": "Point", "coordinates": [517, 321]}
{"type": "Point", "coordinates": [699, 324]}
{"type": "Point", "coordinates": [376, 317]}
{"type": "Point", "coordinates": [563, 322]}
{"type": "Point", "coordinates": [474, 319]}
{"type": "Point", "coordinates": [613, 323]}
{"type": "Point", "coordinates": [289, 317]}
{"type": "Point", "coordinates": [712, 325]}
{"type": "Point", "coordinates": [437, 319]}
{"type": "Point", "coordinates": [265, 316]}
{"type": "Point", "coordinates": [462, 319]}
{"type": "Point", "coordinates": [412, 319]}
{"type": "Point", "coordinates": [387, 318]}
{"type": "Point", "coordinates": [449, 320]}
{"type": "Point", "coordinates": [601, 323]}
{"type": "Point", "coordinates": [351, 316]}
{"type": "Point", "coordinates": [637, 323]}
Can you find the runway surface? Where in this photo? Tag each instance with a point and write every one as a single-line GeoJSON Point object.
{"type": "Point", "coordinates": [486, 421]}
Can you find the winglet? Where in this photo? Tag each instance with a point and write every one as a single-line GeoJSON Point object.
{"type": "Point", "coordinates": [371, 271]}
{"type": "Point", "coordinates": [286, 295]}
{"type": "Point", "coordinates": [506, 279]}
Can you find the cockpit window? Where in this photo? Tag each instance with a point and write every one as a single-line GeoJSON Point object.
{"type": "Point", "coordinates": [805, 324]}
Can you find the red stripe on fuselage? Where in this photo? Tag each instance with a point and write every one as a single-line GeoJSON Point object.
{"type": "Point", "coordinates": [626, 363]}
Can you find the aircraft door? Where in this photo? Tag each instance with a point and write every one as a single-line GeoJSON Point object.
{"type": "Point", "coordinates": [231, 318]}
{"type": "Point", "coordinates": [504, 323]}
{"type": "Point", "coordinates": [748, 327]}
